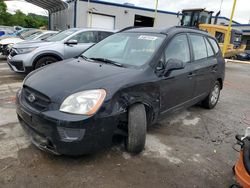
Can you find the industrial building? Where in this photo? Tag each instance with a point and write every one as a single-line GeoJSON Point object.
{"type": "Point", "coordinates": [102, 14]}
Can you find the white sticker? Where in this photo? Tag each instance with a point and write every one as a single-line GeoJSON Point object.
{"type": "Point", "coordinates": [146, 37]}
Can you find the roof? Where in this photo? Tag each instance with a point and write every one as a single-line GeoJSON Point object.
{"type": "Point", "coordinates": [197, 9]}
{"type": "Point", "coordinates": [50, 5]}
{"type": "Point", "coordinates": [167, 30]}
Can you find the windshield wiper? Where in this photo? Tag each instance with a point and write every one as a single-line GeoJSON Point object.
{"type": "Point", "coordinates": [108, 61]}
{"type": "Point", "coordinates": [85, 58]}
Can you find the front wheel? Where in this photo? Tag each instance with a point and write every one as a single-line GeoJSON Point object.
{"type": "Point", "coordinates": [137, 128]}
{"type": "Point", "coordinates": [212, 99]}
{"type": "Point", "coordinates": [44, 61]}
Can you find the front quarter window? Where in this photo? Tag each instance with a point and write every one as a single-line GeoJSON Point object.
{"type": "Point", "coordinates": [132, 49]}
{"type": "Point", "coordinates": [178, 48]}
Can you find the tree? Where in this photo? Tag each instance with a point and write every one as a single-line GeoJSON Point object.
{"type": "Point", "coordinates": [21, 19]}
{"type": "Point", "coordinates": [3, 11]}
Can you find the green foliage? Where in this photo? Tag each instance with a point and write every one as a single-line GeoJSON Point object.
{"type": "Point", "coordinates": [3, 11]}
{"type": "Point", "coordinates": [21, 19]}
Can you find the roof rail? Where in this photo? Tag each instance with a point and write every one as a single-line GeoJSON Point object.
{"type": "Point", "coordinates": [128, 28]}
{"type": "Point", "coordinates": [194, 28]}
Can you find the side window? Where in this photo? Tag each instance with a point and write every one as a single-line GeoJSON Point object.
{"type": "Point", "coordinates": [178, 48]}
{"type": "Point", "coordinates": [215, 45]}
{"type": "Point", "coordinates": [219, 36]}
{"type": "Point", "coordinates": [103, 35]}
{"type": "Point", "coordinates": [209, 48]}
{"type": "Point", "coordinates": [199, 47]}
{"type": "Point", "coordinates": [85, 37]}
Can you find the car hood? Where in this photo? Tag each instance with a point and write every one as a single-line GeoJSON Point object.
{"type": "Point", "coordinates": [59, 80]}
{"type": "Point", "coordinates": [10, 40]}
{"type": "Point", "coordinates": [32, 44]}
{"type": "Point", "coordinates": [5, 37]}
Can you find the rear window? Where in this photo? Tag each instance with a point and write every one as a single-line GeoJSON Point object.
{"type": "Point", "coordinates": [199, 47]}
{"type": "Point", "coordinates": [210, 51]}
{"type": "Point", "coordinates": [214, 44]}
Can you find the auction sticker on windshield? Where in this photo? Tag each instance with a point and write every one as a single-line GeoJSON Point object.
{"type": "Point", "coordinates": [146, 37]}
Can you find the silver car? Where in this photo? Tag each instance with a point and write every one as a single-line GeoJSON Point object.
{"type": "Point", "coordinates": [27, 56]}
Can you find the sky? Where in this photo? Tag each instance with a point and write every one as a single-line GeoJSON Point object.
{"type": "Point", "coordinates": [242, 12]}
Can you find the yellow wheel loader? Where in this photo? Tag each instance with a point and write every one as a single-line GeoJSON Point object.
{"type": "Point", "coordinates": [202, 19]}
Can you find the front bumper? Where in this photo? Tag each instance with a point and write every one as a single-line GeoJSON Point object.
{"type": "Point", "coordinates": [61, 133]}
{"type": "Point", "coordinates": [20, 63]}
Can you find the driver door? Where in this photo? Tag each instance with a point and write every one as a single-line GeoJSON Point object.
{"type": "Point", "coordinates": [177, 86]}
{"type": "Point", "coordinates": [85, 39]}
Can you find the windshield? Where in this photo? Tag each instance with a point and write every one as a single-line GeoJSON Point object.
{"type": "Point", "coordinates": [134, 49]}
{"type": "Point", "coordinates": [62, 35]}
{"type": "Point", "coordinates": [31, 37]}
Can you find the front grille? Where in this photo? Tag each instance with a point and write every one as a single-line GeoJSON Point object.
{"type": "Point", "coordinates": [41, 101]}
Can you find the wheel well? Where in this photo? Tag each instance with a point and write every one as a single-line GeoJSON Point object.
{"type": "Point", "coordinates": [221, 83]}
{"type": "Point", "coordinates": [45, 55]}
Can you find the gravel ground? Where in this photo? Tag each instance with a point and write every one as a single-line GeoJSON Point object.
{"type": "Point", "coordinates": [191, 148]}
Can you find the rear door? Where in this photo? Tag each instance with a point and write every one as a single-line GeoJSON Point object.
{"type": "Point", "coordinates": [213, 61]}
{"type": "Point", "coordinates": [203, 58]}
{"type": "Point", "coordinates": [177, 87]}
{"type": "Point", "coordinates": [85, 39]}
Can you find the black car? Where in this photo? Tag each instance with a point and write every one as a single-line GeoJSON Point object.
{"type": "Point", "coordinates": [120, 86]}
{"type": "Point", "coordinates": [243, 56]}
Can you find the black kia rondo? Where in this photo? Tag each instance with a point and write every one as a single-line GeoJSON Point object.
{"type": "Point", "coordinates": [119, 86]}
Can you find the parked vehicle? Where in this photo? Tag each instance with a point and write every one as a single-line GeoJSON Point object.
{"type": "Point", "coordinates": [7, 44]}
{"type": "Point", "coordinates": [16, 33]}
{"type": "Point", "coordinates": [5, 31]}
{"type": "Point", "coordinates": [26, 57]}
{"type": "Point", "coordinates": [120, 86]}
{"type": "Point", "coordinates": [243, 56]}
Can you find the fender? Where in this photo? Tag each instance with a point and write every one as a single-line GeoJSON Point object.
{"type": "Point", "coordinates": [47, 53]}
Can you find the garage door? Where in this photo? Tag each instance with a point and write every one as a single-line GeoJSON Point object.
{"type": "Point", "coordinates": [102, 21]}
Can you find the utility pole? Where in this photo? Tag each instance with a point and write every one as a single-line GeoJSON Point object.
{"type": "Point", "coordinates": [226, 41]}
{"type": "Point", "coordinates": [155, 16]}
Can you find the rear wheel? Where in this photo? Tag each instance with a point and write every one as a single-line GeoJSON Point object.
{"type": "Point", "coordinates": [213, 97]}
{"type": "Point", "coordinates": [45, 61]}
{"type": "Point", "coordinates": [137, 128]}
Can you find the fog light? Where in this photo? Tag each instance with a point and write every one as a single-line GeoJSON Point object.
{"type": "Point", "coordinates": [70, 135]}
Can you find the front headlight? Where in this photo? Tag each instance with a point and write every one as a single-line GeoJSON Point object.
{"type": "Point", "coordinates": [24, 50]}
{"type": "Point", "coordinates": [9, 46]}
{"type": "Point", "coordinates": [85, 102]}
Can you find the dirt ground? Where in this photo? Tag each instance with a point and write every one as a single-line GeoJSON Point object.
{"type": "Point", "coordinates": [192, 148]}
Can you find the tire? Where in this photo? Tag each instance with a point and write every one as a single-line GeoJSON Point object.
{"type": "Point", "coordinates": [212, 99]}
{"type": "Point", "coordinates": [45, 61]}
{"type": "Point", "coordinates": [137, 128]}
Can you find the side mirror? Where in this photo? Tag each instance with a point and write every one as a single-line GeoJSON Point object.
{"type": "Point", "coordinates": [71, 42]}
{"type": "Point", "coordinates": [174, 64]}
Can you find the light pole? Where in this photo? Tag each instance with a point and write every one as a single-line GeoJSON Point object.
{"type": "Point", "coordinates": [226, 41]}
{"type": "Point", "coordinates": [155, 16]}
